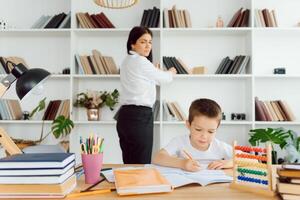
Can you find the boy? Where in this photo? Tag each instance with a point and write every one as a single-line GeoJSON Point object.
{"type": "Point", "coordinates": [204, 119]}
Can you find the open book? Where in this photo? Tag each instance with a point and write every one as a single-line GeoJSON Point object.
{"type": "Point", "coordinates": [177, 177]}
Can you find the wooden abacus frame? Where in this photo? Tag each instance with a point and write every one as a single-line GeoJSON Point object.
{"type": "Point", "coordinates": [268, 166]}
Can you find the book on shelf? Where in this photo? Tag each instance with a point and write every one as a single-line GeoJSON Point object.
{"type": "Point", "coordinates": [61, 20]}
{"type": "Point", "coordinates": [173, 112]}
{"type": "Point", "coordinates": [7, 69]}
{"type": "Point", "coordinates": [96, 64]}
{"type": "Point", "coordinates": [10, 109]}
{"type": "Point", "coordinates": [37, 160]}
{"type": "Point", "coordinates": [238, 65]}
{"type": "Point", "coordinates": [150, 18]}
{"type": "Point", "coordinates": [100, 20]}
{"type": "Point", "coordinates": [175, 18]}
{"type": "Point", "coordinates": [178, 64]}
{"type": "Point", "coordinates": [240, 18]}
{"type": "Point", "coordinates": [277, 110]}
{"type": "Point", "coordinates": [38, 190]}
{"type": "Point", "coordinates": [155, 109]}
{"type": "Point", "coordinates": [140, 181]}
{"type": "Point", "coordinates": [265, 18]}
{"type": "Point", "coordinates": [56, 108]}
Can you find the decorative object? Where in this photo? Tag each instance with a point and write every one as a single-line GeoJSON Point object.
{"type": "Point", "coordinates": [285, 139]}
{"type": "Point", "coordinates": [199, 70]}
{"type": "Point", "coordinates": [116, 4]}
{"type": "Point", "coordinates": [238, 116]}
{"type": "Point", "coordinates": [279, 70]}
{"type": "Point", "coordinates": [220, 22]}
{"type": "Point", "coordinates": [94, 100]}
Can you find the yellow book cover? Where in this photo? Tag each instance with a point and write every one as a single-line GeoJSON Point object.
{"type": "Point", "coordinates": [140, 181]}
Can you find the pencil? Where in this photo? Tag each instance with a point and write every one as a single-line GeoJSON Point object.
{"type": "Point", "coordinates": [79, 194]}
{"type": "Point", "coordinates": [190, 157]}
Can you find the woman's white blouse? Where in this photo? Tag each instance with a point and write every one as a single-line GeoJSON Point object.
{"type": "Point", "coordinates": [139, 78]}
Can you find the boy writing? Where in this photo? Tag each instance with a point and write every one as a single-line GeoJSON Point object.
{"type": "Point", "coordinates": [203, 121]}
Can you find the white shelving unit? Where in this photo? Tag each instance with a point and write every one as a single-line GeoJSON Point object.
{"type": "Point", "coordinates": [202, 45]}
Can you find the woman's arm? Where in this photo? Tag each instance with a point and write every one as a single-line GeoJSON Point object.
{"type": "Point", "coordinates": [159, 76]}
{"type": "Point", "coordinates": [164, 159]}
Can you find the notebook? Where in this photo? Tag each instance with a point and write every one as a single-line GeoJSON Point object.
{"type": "Point", "coordinates": [177, 177]}
{"type": "Point", "coordinates": [140, 181]}
{"type": "Point", "coordinates": [36, 160]}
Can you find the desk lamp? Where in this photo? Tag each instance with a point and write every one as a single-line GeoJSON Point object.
{"type": "Point", "coordinates": [27, 80]}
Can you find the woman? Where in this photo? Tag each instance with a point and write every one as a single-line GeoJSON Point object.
{"type": "Point", "coordinates": [139, 78]}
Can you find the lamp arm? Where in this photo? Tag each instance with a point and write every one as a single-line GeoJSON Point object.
{"type": "Point", "coordinates": [8, 144]}
{"type": "Point", "coordinates": [5, 83]}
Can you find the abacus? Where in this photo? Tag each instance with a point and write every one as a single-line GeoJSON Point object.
{"type": "Point", "coordinates": [252, 169]}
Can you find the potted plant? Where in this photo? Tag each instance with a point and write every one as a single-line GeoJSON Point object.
{"type": "Point", "coordinates": [94, 100]}
{"type": "Point", "coordinates": [60, 128]}
{"type": "Point", "coordinates": [285, 139]}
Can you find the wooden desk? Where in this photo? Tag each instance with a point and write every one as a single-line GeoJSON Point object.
{"type": "Point", "coordinates": [195, 191]}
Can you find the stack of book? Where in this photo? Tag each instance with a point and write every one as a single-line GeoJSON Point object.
{"type": "Point", "coordinates": [151, 18]}
{"type": "Point", "coordinates": [61, 20]}
{"type": "Point", "coordinates": [7, 69]}
{"type": "Point", "coordinates": [56, 108]}
{"type": "Point", "coordinates": [10, 109]}
{"type": "Point", "coordinates": [240, 18]}
{"type": "Point", "coordinates": [288, 183]}
{"type": "Point", "coordinates": [85, 20]}
{"type": "Point", "coordinates": [96, 64]}
{"type": "Point", "coordinates": [173, 112]}
{"type": "Point", "coordinates": [277, 110]}
{"type": "Point", "coordinates": [265, 18]}
{"type": "Point", "coordinates": [38, 175]}
{"type": "Point", "coordinates": [177, 18]}
{"type": "Point", "coordinates": [177, 63]}
{"type": "Point", "coordinates": [238, 65]}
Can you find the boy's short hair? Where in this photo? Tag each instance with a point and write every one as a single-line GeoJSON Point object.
{"type": "Point", "coordinates": [205, 107]}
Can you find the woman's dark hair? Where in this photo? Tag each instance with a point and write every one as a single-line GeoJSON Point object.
{"type": "Point", "coordinates": [135, 33]}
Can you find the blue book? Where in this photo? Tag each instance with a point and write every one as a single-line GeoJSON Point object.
{"type": "Point", "coordinates": [37, 160]}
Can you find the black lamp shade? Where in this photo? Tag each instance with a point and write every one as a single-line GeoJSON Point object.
{"type": "Point", "coordinates": [29, 79]}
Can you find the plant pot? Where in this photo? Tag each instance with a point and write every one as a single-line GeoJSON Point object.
{"type": "Point", "coordinates": [93, 114]}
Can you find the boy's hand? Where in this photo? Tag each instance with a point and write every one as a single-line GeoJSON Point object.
{"type": "Point", "coordinates": [218, 164]}
{"type": "Point", "coordinates": [191, 165]}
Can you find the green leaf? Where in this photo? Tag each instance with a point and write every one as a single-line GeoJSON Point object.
{"type": "Point", "coordinates": [40, 107]}
{"type": "Point", "coordinates": [62, 126]}
{"type": "Point", "coordinates": [275, 136]}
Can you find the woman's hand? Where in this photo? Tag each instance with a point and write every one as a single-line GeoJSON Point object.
{"type": "Point", "coordinates": [220, 164]}
{"type": "Point", "coordinates": [191, 165]}
{"type": "Point", "coordinates": [173, 70]}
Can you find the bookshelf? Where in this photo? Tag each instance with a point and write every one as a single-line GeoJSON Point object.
{"type": "Point", "coordinates": [201, 45]}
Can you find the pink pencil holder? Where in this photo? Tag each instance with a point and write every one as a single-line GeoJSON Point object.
{"type": "Point", "coordinates": [92, 164]}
